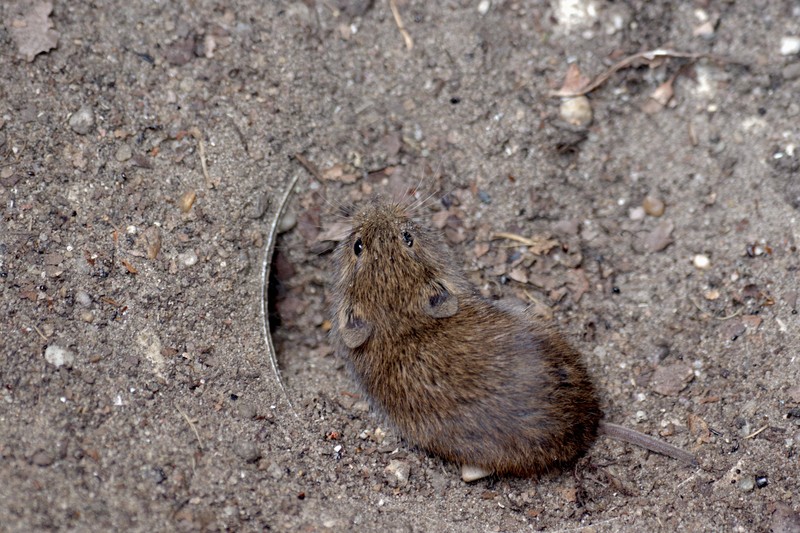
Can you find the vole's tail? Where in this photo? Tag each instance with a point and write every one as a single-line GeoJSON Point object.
{"type": "Point", "coordinates": [647, 442]}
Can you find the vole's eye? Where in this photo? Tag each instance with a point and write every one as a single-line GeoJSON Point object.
{"type": "Point", "coordinates": [408, 239]}
{"type": "Point", "coordinates": [358, 247]}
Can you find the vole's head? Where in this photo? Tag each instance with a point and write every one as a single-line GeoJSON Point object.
{"type": "Point", "coordinates": [391, 270]}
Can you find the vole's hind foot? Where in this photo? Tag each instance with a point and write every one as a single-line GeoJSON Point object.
{"type": "Point", "coordinates": [473, 473]}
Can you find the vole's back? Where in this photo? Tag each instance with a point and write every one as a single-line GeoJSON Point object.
{"type": "Point", "coordinates": [485, 387]}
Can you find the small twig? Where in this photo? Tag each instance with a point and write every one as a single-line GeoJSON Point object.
{"type": "Point", "coordinates": [513, 237]}
{"type": "Point", "coordinates": [399, 21]}
{"type": "Point", "coordinates": [309, 166]}
{"type": "Point", "coordinates": [272, 234]}
{"type": "Point", "coordinates": [39, 332]}
{"type": "Point", "coordinates": [201, 148]}
{"type": "Point", "coordinates": [734, 315]}
{"type": "Point", "coordinates": [537, 245]}
{"type": "Point", "coordinates": [648, 55]}
{"type": "Point", "coordinates": [191, 425]}
{"type": "Point", "coordinates": [756, 432]}
{"type": "Point", "coordinates": [709, 315]}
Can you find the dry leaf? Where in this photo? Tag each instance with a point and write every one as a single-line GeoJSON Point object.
{"type": "Point", "coordinates": [336, 173]}
{"type": "Point", "coordinates": [574, 81]}
{"type": "Point", "coordinates": [699, 427]}
{"type": "Point", "coordinates": [481, 249]}
{"type": "Point", "coordinates": [32, 31]}
{"type": "Point", "coordinates": [577, 283]}
{"type": "Point", "coordinates": [660, 97]}
{"type": "Point", "coordinates": [519, 275]}
{"type": "Point", "coordinates": [335, 232]}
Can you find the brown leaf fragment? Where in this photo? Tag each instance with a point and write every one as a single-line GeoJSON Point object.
{"type": "Point", "coordinates": [660, 237]}
{"type": "Point", "coordinates": [481, 249]}
{"type": "Point", "coordinates": [574, 81]}
{"type": "Point", "coordinates": [151, 240]}
{"type": "Point", "coordinates": [519, 275]}
{"type": "Point", "coordinates": [670, 380]}
{"type": "Point", "coordinates": [31, 31]}
{"type": "Point", "coordinates": [129, 267]}
{"type": "Point", "coordinates": [337, 173]}
{"type": "Point", "coordinates": [577, 283]}
{"type": "Point", "coordinates": [660, 97]}
{"type": "Point", "coordinates": [698, 427]}
{"type": "Point", "coordinates": [569, 494]}
{"type": "Point", "coordinates": [752, 321]}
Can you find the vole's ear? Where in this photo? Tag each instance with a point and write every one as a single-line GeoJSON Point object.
{"type": "Point", "coordinates": [438, 301]}
{"type": "Point", "coordinates": [354, 330]}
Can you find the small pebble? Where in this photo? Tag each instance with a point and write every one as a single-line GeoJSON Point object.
{"type": "Point", "coordinates": [186, 201]}
{"type": "Point", "coordinates": [704, 30]}
{"type": "Point", "coordinates": [397, 473]}
{"type": "Point", "coordinates": [483, 6]}
{"type": "Point", "coordinates": [248, 451]}
{"type": "Point", "coordinates": [287, 222]}
{"type": "Point", "coordinates": [83, 298]}
{"type": "Point", "coordinates": [188, 258]}
{"type": "Point", "coordinates": [258, 207]}
{"type": "Point", "coordinates": [661, 237]}
{"type": "Point", "coordinates": [746, 484]}
{"type": "Point", "coordinates": [637, 213]}
{"type": "Point", "coordinates": [670, 380]}
{"type": "Point", "coordinates": [275, 471]}
{"type": "Point", "coordinates": [762, 481]}
{"type": "Point", "coordinates": [247, 411]}
{"type": "Point", "coordinates": [58, 356]}
{"type": "Point", "coordinates": [711, 295]}
{"type": "Point", "coordinates": [124, 153]}
{"type": "Point", "coordinates": [361, 405]}
{"type": "Point", "coordinates": [653, 206]}
{"type": "Point", "coordinates": [790, 45]}
{"type": "Point", "coordinates": [576, 111]}
{"type": "Point", "coordinates": [42, 458]}
{"type": "Point", "coordinates": [82, 120]}
{"type": "Point", "coordinates": [701, 261]}
{"type": "Point", "coordinates": [87, 316]}
{"type": "Point", "coordinates": [791, 71]}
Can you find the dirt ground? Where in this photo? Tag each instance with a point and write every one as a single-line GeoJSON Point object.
{"type": "Point", "coordinates": [142, 163]}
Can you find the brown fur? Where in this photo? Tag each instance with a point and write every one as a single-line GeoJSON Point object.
{"type": "Point", "coordinates": [469, 380]}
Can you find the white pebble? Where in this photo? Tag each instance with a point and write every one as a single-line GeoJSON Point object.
{"type": "Point", "coordinates": [58, 356]}
{"type": "Point", "coordinates": [637, 213]}
{"type": "Point", "coordinates": [82, 120]}
{"type": "Point", "coordinates": [576, 111]}
{"type": "Point", "coordinates": [83, 298]}
{"type": "Point", "coordinates": [790, 46]}
{"type": "Point", "coordinates": [188, 258]}
{"type": "Point", "coordinates": [701, 261]}
{"type": "Point", "coordinates": [484, 6]}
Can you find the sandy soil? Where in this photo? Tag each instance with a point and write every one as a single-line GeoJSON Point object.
{"type": "Point", "coordinates": [137, 394]}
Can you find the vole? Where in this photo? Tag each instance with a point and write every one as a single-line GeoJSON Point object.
{"type": "Point", "coordinates": [476, 382]}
